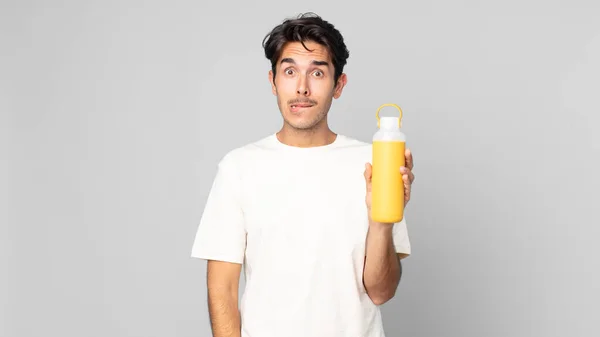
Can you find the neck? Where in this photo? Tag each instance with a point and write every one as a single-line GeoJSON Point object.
{"type": "Point", "coordinates": [306, 138]}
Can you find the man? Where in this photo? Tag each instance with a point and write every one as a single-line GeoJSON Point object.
{"type": "Point", "coordinates": [293, 208]}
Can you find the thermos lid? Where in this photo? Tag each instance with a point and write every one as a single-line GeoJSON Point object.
{"type": "Point", "coordinates": [389, 123]}
{"type": "Point", "coordinates": [396, 121]}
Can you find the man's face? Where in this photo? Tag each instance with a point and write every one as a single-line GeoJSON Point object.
{"type": "Point", "coordinates": [304, 84]}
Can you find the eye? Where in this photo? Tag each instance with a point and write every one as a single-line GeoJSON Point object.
{"type": "Point", "coordinates": [318, 73]}
{"type": "Point", "coordinates": [289, 71]}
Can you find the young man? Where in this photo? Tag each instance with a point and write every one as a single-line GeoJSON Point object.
{"type": "Point", "coordinates": [293, 208]}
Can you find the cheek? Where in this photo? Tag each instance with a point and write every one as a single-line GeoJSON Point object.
{"type": "Point", "coordinates": [285, 87]}
{"type": "Point", "coordinates": [322, 89]}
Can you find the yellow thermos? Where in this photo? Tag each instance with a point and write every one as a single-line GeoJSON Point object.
{"type": "Point", "coordinates": [387, 187]}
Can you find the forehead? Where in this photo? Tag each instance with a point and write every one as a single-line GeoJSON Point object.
{"type": "Point", "coordinates": [297, 51]}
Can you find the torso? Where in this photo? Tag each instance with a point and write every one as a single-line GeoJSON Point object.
{"type": "Point", "coordinates": [306, 225]}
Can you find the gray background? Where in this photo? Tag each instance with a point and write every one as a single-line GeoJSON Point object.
{"type": "Point", "coordinates": [115, 113]}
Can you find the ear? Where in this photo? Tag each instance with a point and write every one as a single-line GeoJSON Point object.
{"type": "Point", "coordinates": [341, 83]}
{"type": "Point", "coordinates": [272, 81]}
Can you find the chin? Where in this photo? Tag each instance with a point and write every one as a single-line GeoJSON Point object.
{"type": "Point", "coordinates": [301, 123]}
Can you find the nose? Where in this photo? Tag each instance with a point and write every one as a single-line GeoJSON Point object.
{"type": "Point", "coordinates": [302, 86]}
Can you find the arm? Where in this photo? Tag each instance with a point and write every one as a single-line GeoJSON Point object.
{"type": "Point", "coordinates": [221, 240]}
{"type": "Point", "coordinates": [223, 284]}
{"type": "Point", "coordinates": [383, 269]}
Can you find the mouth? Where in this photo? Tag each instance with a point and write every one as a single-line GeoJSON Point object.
{"type": "Point", "coordinates": [300, 106]}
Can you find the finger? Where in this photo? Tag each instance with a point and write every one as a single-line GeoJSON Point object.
{"type": "Point", "coordinates": [408, 158]}
{"type": "Point", "coordinates": [368, 176]}
{"type": "Point", "coordinates": [411, 176]}
{"type": "Point", "coordinates": [406, 171]}
{"type": "Point", "coordinates": [407, 190]}
{"type": "Point", "coordinates": [406, 180]}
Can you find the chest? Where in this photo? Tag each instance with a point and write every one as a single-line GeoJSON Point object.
{"type": "Point", "coordinates": [304, 203]}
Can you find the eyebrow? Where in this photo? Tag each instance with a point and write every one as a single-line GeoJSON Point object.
{"type": "Point", "coordinates": [314, 62]}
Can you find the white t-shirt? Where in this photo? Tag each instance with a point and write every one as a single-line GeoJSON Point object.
{"type": "Point", "coordinates": [296, 218]}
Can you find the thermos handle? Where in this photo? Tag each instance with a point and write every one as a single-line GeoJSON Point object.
{"type": "Point", "coordinates": [389, 104]}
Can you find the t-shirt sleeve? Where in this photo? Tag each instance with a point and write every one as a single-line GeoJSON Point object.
{"type": "Point", "coordinates": [221, 233]}
{"type": "Point", "coordinates": [400, 237]}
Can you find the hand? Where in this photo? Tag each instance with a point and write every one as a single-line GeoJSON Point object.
{"type": "Point", "coordinates": [407, 177]}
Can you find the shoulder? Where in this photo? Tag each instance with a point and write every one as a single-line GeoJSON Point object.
{"type": "Point", "coordinates": [352, 142]}
{"type": "Point", "coordinates": [355, 146]}
{"type": "Point", "coordinates": [240, 155]}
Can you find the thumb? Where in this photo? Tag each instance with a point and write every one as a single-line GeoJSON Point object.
{"type": "Point", "coordinates": [367, 174]}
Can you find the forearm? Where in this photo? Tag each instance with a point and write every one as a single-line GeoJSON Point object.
{"type": "Point", "coordinates": [224, 312]}
{"type": "Point", "coordinates": [382, 269]}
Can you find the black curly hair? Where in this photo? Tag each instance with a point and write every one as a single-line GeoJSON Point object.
{"type": "Point", "coordinates": [307, 27]}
